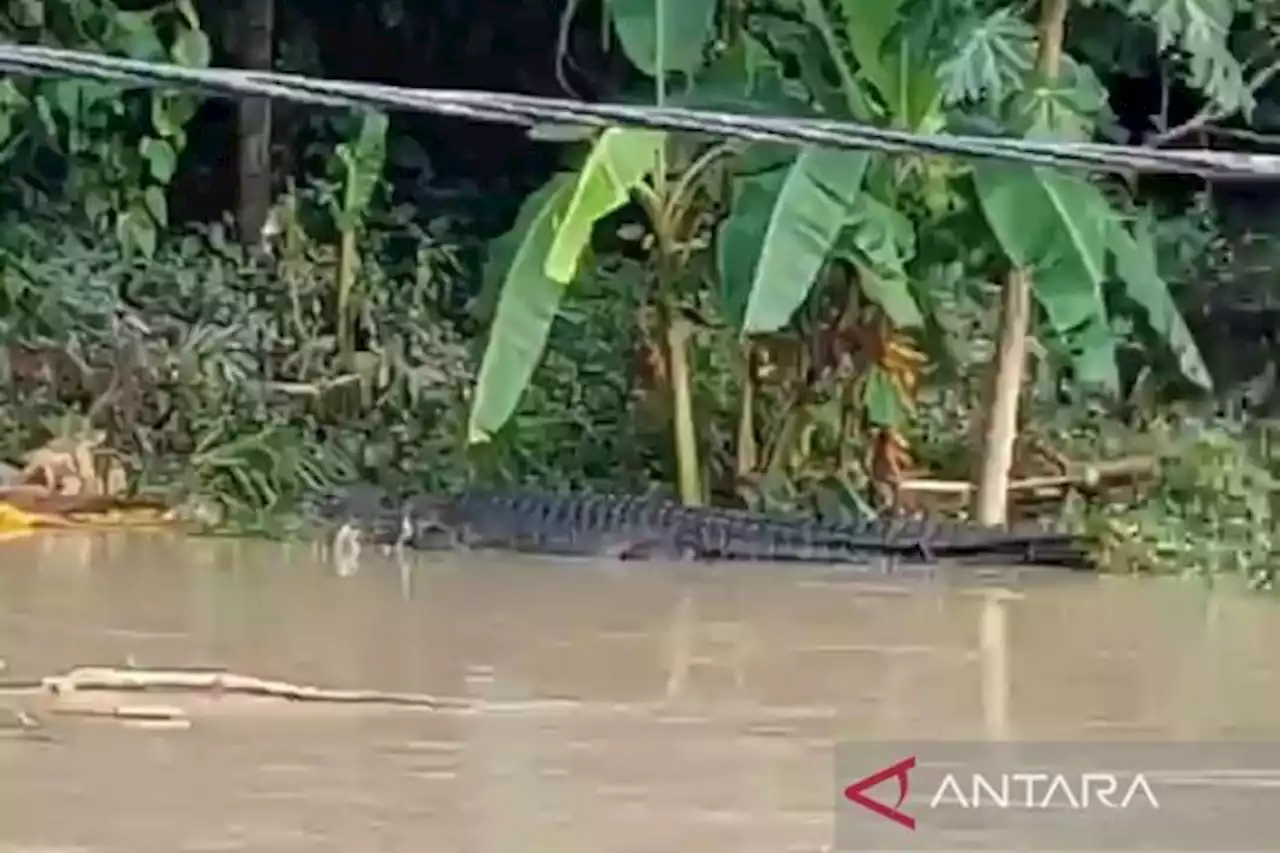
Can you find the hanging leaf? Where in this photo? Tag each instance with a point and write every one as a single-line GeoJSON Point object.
{"type": "Point", "coordinates": [191, 49]}
{"type": "Point", "coordinates": [528, 300]}
{"type": "Point", "coordinates": [741, 234]}
{"type": "Point", "coordinates": [893, 294]}
{"type": "Point", "coordinates": [788, 233]}
{"type": "Point", "coordinates": [363, 158]}
{"type": "Point", "coordinates": [882, 401]}
{"type": "Point", "coordinates": [1056, 226]}
{"type": "Point", "coordinates": [1135, 256]}
{"type": "Point", "coordinates": [879, 243]}
{"type": "Point", "coordinates": [666, 34]}
{"type": "Point", "coordinates": [620, 160]}
{"type": "Point", "coordinates": [900, 71]}
{"type": "Point", "coordinates": [1093, 355]}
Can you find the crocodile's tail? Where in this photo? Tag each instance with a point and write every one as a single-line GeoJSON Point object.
{"type": "Point", "coordinates": [896, 544]}
{"type": "Point", "coordinates": [743, 538]}
{"type": "Point", "coordinates": [1001, 547]}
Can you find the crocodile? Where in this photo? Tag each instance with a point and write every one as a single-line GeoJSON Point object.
{"type": "Point", "coordinates": [629, 527]}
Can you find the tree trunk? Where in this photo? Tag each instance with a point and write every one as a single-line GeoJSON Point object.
{"type": "Point", "coordinates": [254, 178]}
{"type": "Point", "coordinates": [991, 498]}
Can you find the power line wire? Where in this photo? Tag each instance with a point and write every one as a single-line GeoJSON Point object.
{"type": "Point", "coordinates": [529, 111]}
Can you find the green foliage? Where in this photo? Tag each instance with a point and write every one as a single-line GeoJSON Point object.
{"type": "Point", "coordinates": [258, 380]}
{"type": "Point", "coordinates": [664, 34]}
{"type": "Point", "coordinates": [619, 162]}
{"type": "Point", "coordinates": [922, 240]}
{"type": "Point", "coordinates": [816, 200]}
{"type": "Point", "coordinates": [1211, 512]}
{"type": "Point", "coordinates": [789, 219]}
{"type": "Point", "coordinates": [362, 158]}
{"type": "Point", "coordinates": [116, 155]}
{"type": "Point", "coordinates": [1199, 30]}
{"type": "Point", "coordinates": [526, 307]}
{"type": "Point", "coordinates": [1137, 266]}
{"type": "Point", "coordinates": [1054, 225]}
{"type": "Point", "coordinates": [578, 424]}
{"type": "Point", "coordinates": [219, 372]}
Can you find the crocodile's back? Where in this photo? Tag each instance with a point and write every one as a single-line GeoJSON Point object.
{"type": "Point", "coordinates": [583, 524]}
{"type": "Point", "coordinates": [632, 527]}
{"type": "Point", "coordinates": [638, 527]}
{"type": "Point", "coordinates": [741, 536]}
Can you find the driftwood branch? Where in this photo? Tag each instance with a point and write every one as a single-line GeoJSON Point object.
{"type": "Point", "coordinates": [131, 680]}
{"type": "Point", "coordinates": [1086, 474]}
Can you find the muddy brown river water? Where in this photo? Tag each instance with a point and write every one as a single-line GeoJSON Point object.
{"type": "Point", "coordinates": [592, 707]}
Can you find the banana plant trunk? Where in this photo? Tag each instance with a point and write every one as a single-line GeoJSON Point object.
{"type": "Point", "coordinates": [688, 461]}
{"type": "Point", "coordinates": [991, 498]}
{"type": "Point", "coordinates": [1001, 424]}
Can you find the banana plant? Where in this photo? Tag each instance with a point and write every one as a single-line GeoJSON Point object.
{"type": "Point", "coordinates": [793, 211]}
{"type": "Point", "coordinates": [891, 71]}
{"type": "Point", "coordinates": [816, 207]}
{"type": "Point", "coordinates": [880, 79]}
{"type": "Point", "coordinates": [534, 264]}
{"type": "Point", "coordinates": [360, 160]}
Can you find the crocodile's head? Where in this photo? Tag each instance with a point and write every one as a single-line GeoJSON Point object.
{"type": "Point", "coordinates": [359, 503]}
{"type": "Point", "coordinates": [430, 522]}
{"type": "Point", "coordinates": [429, 514]}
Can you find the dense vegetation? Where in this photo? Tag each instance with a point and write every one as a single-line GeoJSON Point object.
{"type": "Point", "coordinates": [633, 309]}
